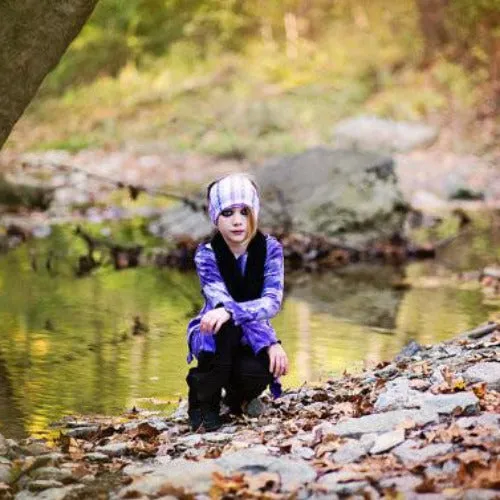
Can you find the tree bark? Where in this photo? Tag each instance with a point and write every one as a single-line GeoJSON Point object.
{"type": "Point", "coordinates": [34, 35]}
{"type": "Point", "coordinates": [432, 17]}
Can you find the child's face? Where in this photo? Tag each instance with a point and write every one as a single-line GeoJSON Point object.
{"type": "Point", "coordinates": [233, 224]}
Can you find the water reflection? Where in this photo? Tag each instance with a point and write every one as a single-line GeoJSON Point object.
{"type": "Point", "coordinates": [67, 345]}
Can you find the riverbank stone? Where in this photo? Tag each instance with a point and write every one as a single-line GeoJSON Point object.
{"type": "Point", "coordinates": [383, 422]}
{"type": "Point", "coordinates": [5, 472]}
{"type": "Point", "coordinates": [387, 441]}
{"type": "Point", "coordinates": [488, 372]}
{"type": "Point", "coordinates": [409, 453]}
{"type": "Point", "coordinates": [381, 134]}
{"type": "Point", "coordinates": [349, 452]}
{"type": "Point", "coordinates": [4, 447]}
{"type": "Point", "coordinates": [112, 449]}
{"type": "Point", "coordinates": [195, 477]}
{"type": "Point", "coordinates": [293, 473]}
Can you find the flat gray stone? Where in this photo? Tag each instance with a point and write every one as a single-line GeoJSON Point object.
{"type": "Point", "coordinates": [401, 483]}
{"type": "Point", "coordinates": [382, 135]}
{"type": "Point", "coordinates": [190, 440]}
{"type": "Point", "coordinates": [448, 403]}
{"type": "Point", "coordinates": [409, 453]}
{"type": "Point", "coordinates": [195, 477]}
{"type": "Point", "coordinates": [113, 449]}
{"type": "Point", "coordinates": [217, 437]}
{"type": "Point", "coordinates": [293, 472]}
{"type": "Point", "coordinates": [488, 371]}
{"type": "Point", "coordinates": [349, 452]}
{"type": "Point", "coordinates": [338, 482]}
{"type": "Point", "coordinates": [387, 441]}
{"type": "Point", "coordinates": [480, 494]}
{"type": "Point", "coordinates": [382, 422]}
{"type": "Point", "coordinates": [399, 394]}
{"type": "Point", "coordinates": [485, 419]}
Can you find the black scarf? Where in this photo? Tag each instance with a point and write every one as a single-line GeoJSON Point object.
{"type": "Point", "coordinates": [249, 285]}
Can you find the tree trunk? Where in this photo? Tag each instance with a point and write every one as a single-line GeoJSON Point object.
{"type": "Point", "coordinates": [432, 24]}
{"type": "Point", "coordinates": [33, 35]}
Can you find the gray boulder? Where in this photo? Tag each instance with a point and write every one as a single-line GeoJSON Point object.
{"type": "Point", "coordinates": [371, 133]}
{"type": "Point", "coordinates": [488, 372]}
{"type": "Point", "coordinates": [348, 195]}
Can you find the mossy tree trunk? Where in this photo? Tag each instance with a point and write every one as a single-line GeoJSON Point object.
{"type": "Point", "coordinates": [34, 35]}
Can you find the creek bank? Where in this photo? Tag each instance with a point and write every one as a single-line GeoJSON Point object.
{"type": "Point", "coordinates": [427, 422]}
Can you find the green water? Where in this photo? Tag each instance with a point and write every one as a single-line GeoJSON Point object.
{"type": "Point", "coordinates": [66, 344]}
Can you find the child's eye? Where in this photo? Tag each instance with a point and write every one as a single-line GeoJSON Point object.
{"type": "Point", "coordinates": [227, 213]}
{"type": "Point", "coordinates": [245, 211]}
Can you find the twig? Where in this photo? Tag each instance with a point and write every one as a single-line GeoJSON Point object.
{"type": "Point", "coordinates": [134, 190]}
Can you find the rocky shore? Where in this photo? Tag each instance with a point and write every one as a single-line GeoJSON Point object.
{"type": "Point", "coordinates": [426, 425]}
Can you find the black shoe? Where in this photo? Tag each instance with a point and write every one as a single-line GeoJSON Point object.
{"type": "Point", "coordinates": [195, 419]}
{"type": "Point", "coordinates": [211, 421]}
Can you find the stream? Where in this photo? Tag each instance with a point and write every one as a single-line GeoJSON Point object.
{"type": "Point", "coordinates": [67, 344]}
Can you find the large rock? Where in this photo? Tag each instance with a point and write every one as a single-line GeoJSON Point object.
{"type": "Point", "coordinates": [348, 195]}
{"type": "Point", "coordinates": [378, 134]}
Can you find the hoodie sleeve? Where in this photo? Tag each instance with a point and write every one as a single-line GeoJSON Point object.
{"type": "Point", "coordinates": [215, 291]}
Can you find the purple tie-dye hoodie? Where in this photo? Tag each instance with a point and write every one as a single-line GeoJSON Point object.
{"type": "Point", "coordinates": [252, 315]}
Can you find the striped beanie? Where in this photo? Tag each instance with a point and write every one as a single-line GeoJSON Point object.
{"type": "Point", "coordinates": [235, 189]}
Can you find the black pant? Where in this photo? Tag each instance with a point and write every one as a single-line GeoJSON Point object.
{"type": "Point", "coordinates": [234, 367]}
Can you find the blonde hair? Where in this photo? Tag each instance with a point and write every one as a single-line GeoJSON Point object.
{"type": "Point", "coordinates": [252, 226]}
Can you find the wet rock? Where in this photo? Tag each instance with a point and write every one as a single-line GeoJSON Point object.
{"type": "Point", "coordinates": [34, 449]}
{"type": "Point", "coordinates": [113, 449]}
{"type": "Point", "coordinates": [44, 484]}
{"type": "Point", "coordinates": [410, 454]}
{"type": "Point", "coordinates": [96, 457]}
{"type": "Point", "coordinates": [293, 472]}
{"type": "Point", "coordinates": [303, 452]}
{"type": "Point", "coordinates": [408, 350]}
{"type": "Point", "coordinates": [382, 422]}
{"type": "Point", "coordinates": [4, 447]}
{"type": "Point", "coordinates": [83, 432]}
{"type": "Point", "coordinates": [387, 441]}
{"type": "Point", "coordinates": [5, 472]}
{"type": "Point", "coordinates": [349, 452]}
{"type": "Point", "coordinates": [195, 477]}
{"type": "Point", "coordinates": [52, 473]}
{"type": "Point", "coordinates": [380, 134]}
{"type": "Point", "coordinates": [49, 459]}
{"type": "Point", "coordinates": [488, 372]}
{"type": "Point", "coordinates": [64, 493]}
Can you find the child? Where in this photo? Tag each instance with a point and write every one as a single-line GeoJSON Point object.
{"type": "Point", "coordinates": [241, 275]}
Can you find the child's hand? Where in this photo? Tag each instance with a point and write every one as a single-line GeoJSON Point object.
{"type": "Point", "coordinates": [213, 320]}
{"type": "Point", "coordinates": [278, 360]}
